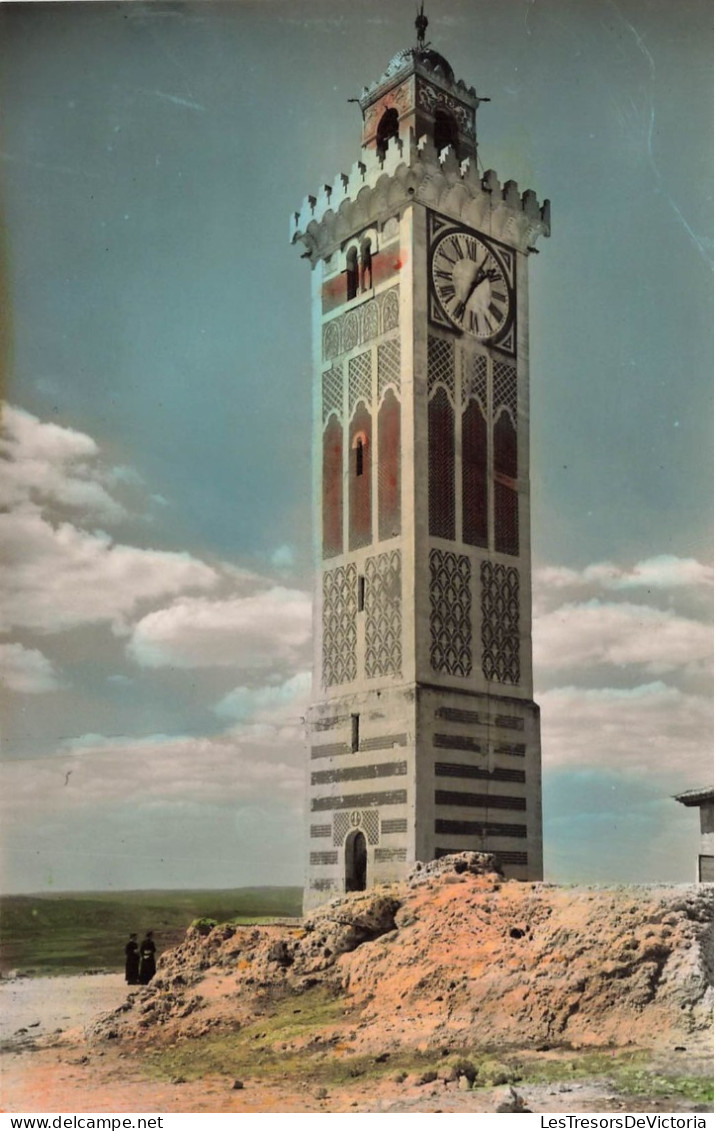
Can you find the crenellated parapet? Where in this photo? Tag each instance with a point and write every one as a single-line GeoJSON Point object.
{"type": "Point", "coordinates": [414, 172]}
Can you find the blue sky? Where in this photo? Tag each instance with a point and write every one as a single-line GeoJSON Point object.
{"type": "Point", "coordinates": [156, 498]}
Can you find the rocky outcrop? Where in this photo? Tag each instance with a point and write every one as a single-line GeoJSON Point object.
{"type": "Point", "coordinates": [457, 956]}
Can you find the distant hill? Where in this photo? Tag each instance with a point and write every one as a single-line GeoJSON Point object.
{"type": "Point", "coordinates": [71, 931]}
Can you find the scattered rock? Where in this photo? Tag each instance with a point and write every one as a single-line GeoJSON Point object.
{"type": "Point", "coordinates": [237, 1085]}
{"type": "Point", "coordinates": [511, 1101]}
{"type": "Point", "coordinates": [427, 1077]}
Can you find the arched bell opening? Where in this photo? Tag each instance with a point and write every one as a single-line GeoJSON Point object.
{"type": "Point", "coordinates": [351, 273]}
{"type": "Point", "coordinates": [387, 128]}
{"type": "Point", "coordinates": [446, 133]}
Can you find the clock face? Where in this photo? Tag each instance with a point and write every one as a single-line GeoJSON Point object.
{"type": "Point", "coordinates": [471, 285]}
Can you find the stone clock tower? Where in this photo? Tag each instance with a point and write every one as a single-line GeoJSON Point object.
{"type": "Point", "coordinates": [423, 737]}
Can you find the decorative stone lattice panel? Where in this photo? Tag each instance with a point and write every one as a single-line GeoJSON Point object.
{"type": "Point", "coordinates": [500, 603]}
{"type": "Point", "coordinates": [388, 366]}
{"type": "Point", "coordinates": [474, 381]}
{"type": "Point", "coordinates": [441, 366]}
{"type": "Point", "coordinates": [340, 608]}
{"type": "Point", "coordinates": [361, 325]}
{"type": "Point", "coordinates": [390, 310]}
{"type": "Point", "coordinates": [431, 98]}
{"type": "Point", "coordinates": [450, 608]}
{"type": "Point", "coordinates": [351, 330]}
{"type": "Point", "coordinates": [333, 392]}
{"type": "Point", "coordinates": [323, 858]}
{"type": "Point", "coordinates": [383, 610]}
{"type": "Point", "coordinates": [371, 320]}
{"type": "Point", "coordinates": [359, 381]}
{"type": "Point", "coordinates": [504, 389]}
{"type": "Point", "coordinates": [365, 819]}
{"type": "Point", "coordinates": [331, 339]}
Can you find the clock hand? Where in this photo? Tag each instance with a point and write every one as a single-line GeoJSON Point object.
{"type": "Point", "coordinates": [461, 305]}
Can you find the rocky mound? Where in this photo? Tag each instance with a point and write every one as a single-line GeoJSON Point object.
{"type": "Point", "coordinates": [454, 956]}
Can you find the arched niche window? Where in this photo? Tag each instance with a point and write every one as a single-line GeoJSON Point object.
{"type": "Point", "coordinates": [366, 264]}
{"type": "Point", "coordinates": [474, 475]}
{"type": "Point", "coordinates": [441, 467]}
{"type": "Point", "coordinates": [333, 488]}
{"type": "Point", "coordinates": [389, 467]}
{"type": "Point", "coordinates": [506, 498]}
{"type": "Point", "coordinates": [359, 489]}
{"type": "Point", "coordinates": [351, 273]}
{"type": "Point", "coordinates": [387, 128]}
{"type": "Point", "coordinates": [445, 131]}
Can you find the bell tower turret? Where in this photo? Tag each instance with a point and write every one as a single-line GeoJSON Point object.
{"type": "Point", "coordinates": [418, 95]}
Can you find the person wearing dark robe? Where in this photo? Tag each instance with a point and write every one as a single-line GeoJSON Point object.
{"type": "Point", "coordinates": [131, 961]}
{"type": "Point", "coordinates": [147, 965]}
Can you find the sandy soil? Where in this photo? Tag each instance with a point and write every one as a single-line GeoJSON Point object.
{"type": "Point", "coordinates": [31, 1008]}
{"type": "Point", "coordinates": [50, 1065]}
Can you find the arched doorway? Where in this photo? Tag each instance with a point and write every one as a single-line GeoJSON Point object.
{"type": "Point", "coordinates": [356, 861]}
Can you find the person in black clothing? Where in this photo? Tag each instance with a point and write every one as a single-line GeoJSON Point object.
{"type": "Point", "coordinates": [131, 961]}
{"type": "Point", "coordinates": [147, 965]}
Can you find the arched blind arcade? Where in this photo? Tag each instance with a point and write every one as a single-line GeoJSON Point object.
{"type": "Point", "coordinates": [332, 488]}
{"type": "Point", "coordinates": [441, 469]}
{"type": "Point", "coordinates": [506, 499]}
{"type": "Point", "coordinates": [389, 467]}
{"type": "Point", "coordinates": [360, 478]}
{"type": "Point", "coordinates": [474, 476]}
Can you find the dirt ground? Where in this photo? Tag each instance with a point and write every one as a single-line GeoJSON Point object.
{"type": "Point", "coordinates": [49, 1064]}
{"type": "Point", "coordinates": [454, 991]}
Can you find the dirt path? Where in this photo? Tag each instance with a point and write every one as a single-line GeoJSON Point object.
{"type": "Point", "coordinates": [31, 1008]}
{"type": "Point", "coordinates": [75, 1078]}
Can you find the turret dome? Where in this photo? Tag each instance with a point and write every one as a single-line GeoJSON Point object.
{"type": "Point", "coordinates": [424, 56]}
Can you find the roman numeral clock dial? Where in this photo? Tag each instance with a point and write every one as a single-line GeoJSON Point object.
{"type": "Point", "coordinates": [471, 285]}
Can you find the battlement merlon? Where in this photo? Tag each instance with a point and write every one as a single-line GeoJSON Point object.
{"type": "Point", "coordinates": [414, 172]}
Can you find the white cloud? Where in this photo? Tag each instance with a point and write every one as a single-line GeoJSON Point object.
{"type": "Point", "coordinates": [594, 633]}
{"type": "Point", "coordinates": [96, 770]}
{"type": "Point", "coordinates": [61, 577]}
{"type": "Point", "coordinates": [648, 730]}
{"type": "Point", "coordinates": [258, 631]}
{"type": "Point", "coordinates": [273, 705]}
{"type": "Point", "coordinates": [661, 572]}
{"type": "Point", "coordinates": [45, 463]}
{"type": "Point", "coordinates": [26, 670]}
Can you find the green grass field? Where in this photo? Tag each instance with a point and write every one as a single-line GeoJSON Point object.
{"type": "Point", "coordinates": [76, 931]}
